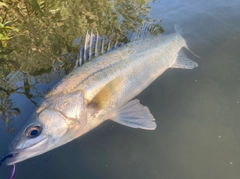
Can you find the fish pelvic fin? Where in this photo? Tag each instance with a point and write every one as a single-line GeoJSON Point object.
{"type": "Point", "coordinates": [183, 61]}
{"type": "Point", "coordinates": [135, 115]}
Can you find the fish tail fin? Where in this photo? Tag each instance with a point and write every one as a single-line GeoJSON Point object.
{"type": "Point", "coordinates": [183, 61]}
{"type": "Point", "coordinates": [178, 29]}
{"type": "Point", "coordinates": [191, 51]}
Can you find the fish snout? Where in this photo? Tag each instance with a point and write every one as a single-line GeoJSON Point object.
{"type": "Point", "coordinates": [6, 159]}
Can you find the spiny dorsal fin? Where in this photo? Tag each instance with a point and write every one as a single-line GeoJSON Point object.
{"type": "Point", "coordinates": [93, 46]}
{"type": "Point", "coordinates": [93, 43]}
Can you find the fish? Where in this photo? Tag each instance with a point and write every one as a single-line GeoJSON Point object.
{"type": "Point", "coordinates": [99, 90]}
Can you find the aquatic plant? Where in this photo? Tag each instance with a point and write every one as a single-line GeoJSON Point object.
{"type": "Point", "coordinates": [4, 28]}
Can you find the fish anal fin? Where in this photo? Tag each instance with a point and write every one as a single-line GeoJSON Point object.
{"type": "Point", "coordinates": [183, 61]}
{"type": "Point", "coordinates": [135, 115]}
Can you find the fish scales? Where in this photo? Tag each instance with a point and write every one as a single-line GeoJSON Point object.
{"type": "Point", "coordinates": [99, 90]}
{"type": "Point", "coordinates": [94, 70]}
{"type": "Point", "coordinates": [134, 75]}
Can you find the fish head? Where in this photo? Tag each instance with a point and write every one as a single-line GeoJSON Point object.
{"type": "Point", "coordinates": [56, 122]}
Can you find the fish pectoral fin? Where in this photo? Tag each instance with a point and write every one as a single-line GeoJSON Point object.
{"type": "Point", "coordinates": [135, 115]}
{"type": "Point", "coordinates": [103, 98]}
{"type": "Point", "coordinates": [183, 61]}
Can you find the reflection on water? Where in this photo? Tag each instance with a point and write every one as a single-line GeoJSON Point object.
{"type": "Point", "coordinates": [197, 112]}
{"type": "Point", "coordinates": [50, 34]}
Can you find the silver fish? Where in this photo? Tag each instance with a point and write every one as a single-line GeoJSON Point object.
{"type": "Point", "coordinates": [99, 90]}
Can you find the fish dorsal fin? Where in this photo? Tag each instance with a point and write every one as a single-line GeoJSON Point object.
{"type": "Point", "coordinates": [135, 115]}
{"type": "Point", "coordinates": [103, 98]}
{"type": "Point", "coordinates": [94, 45]}
{"type": "Point", "coordinates": [86, 51]}
{"type": "Point", "coordinates": [183, 61]}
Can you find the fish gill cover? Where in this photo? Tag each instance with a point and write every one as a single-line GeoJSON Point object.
{"type": "Point", "coordinates": [43, 41]}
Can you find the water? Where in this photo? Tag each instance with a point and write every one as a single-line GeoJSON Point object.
{"type": "Point", "coordinates": [197, 111]}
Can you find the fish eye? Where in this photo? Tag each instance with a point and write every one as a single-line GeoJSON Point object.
{"type": "Point", "coordinates": [33, 131]}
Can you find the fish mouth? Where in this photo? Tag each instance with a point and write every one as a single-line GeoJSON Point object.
{"type": "Point", "coordinates": [19, 155]}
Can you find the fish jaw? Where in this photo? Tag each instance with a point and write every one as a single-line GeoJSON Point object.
{"type": "Point", "coordinates": [24, 146]}
{"type": "Point", "coordinates": [58, 124]}
{"type": "Point", "coordinates": [19, 155]}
